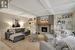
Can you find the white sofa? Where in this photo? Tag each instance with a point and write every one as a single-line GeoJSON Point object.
{"type": "Point", "coordinates": [68, 41]}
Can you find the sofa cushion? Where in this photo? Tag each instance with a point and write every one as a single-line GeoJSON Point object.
{"type": "Point", "coordinates": [12, 30]}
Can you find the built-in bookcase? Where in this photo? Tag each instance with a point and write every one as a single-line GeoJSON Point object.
{"type": "Point", "coordinates": [63, 23]}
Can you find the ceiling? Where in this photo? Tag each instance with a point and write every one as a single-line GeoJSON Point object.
{"type": "Point", "coordinates": [16, 12]}
{"type": "Point", "coordinates": [42, 7]}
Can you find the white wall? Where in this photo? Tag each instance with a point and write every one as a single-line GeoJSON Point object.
{"type": "Point", "coordinates": [3, 27]}
{"type": "Point", "coordinates": [31, 26]}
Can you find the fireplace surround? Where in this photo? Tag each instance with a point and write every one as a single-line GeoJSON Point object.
{"type": "Point", "coordinates": [44, 23]}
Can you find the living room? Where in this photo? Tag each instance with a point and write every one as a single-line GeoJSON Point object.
{"type": "Point", "coordinates": [37, 25]}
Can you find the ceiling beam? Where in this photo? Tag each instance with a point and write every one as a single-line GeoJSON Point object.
{"type": "Point", "coordinates": [47, 6]}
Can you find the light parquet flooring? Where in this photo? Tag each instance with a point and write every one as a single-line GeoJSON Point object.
{"type": "Point", "coordinates": [22, 45]}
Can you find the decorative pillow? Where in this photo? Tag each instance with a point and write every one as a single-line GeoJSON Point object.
{"type": "Point", "coordinates": [12, 30]}
{"type": "Point", "coordinates": [62, 46]}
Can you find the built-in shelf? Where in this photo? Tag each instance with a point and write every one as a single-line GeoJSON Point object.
{"type": "Point", "coordinates": [48, 20]}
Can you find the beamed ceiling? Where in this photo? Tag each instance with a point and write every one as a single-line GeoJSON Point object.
{"type": "Point", "coordinates": [41, 7]}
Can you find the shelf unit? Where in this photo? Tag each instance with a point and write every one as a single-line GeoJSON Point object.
{"type": "Point", "coordinates": [64, 22]}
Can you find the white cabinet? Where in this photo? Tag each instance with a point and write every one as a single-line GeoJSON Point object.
{"type": "Point", "coordinates": [62, 23]}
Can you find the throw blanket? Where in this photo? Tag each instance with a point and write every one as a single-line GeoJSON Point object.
{"type": "Point", "coordinates": [14, 35]}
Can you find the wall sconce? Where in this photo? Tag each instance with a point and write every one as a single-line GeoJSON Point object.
{"type": "Point", "coordinates": [3, 3]}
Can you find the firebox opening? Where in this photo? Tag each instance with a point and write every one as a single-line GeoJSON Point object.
{"type": "Point", "coordinates": [44, 29]}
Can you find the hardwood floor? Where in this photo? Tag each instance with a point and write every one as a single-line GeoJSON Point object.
{"type": "Point", "coordinates": [22, 45]}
